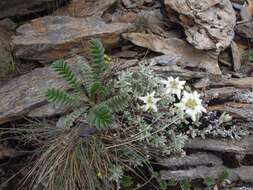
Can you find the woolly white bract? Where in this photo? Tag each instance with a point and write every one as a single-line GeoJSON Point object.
{"type": "Point", "coordinates": [191, 104]}
{"type": "Point", "coordinates": [150, 102]}
{"type": "Point", "coordinates": [173, 86]}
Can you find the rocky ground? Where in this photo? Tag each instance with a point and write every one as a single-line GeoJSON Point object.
{"type": "Point", "coordinates": [203, 42]}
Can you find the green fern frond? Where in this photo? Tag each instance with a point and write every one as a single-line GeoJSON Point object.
{"type": "Point", "coordinates": [100, 116]}
{"type": "Point", "coordinates": [60, 97]}
{"type": "Point", "coordinates": [97, 51]}
{"type": "Point", "coordinates": [97, 54]}
{"type": "Point", "coordinates": [95, 89]}
{"type": "Point", "coordinates": [102, 91]}
{"type": "Point", "coordinates": [71, 118]}
{"type": "Point", "coordinates": [88, 74]}
{"type": "Point", "coordinates": [61, 68]}
{"type": "Point", "coordinates": [117, 103]}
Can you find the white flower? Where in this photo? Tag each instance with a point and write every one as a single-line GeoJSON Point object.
{"type": "Point", "coordinates": [174, 86]}
{"type": "Point", "coordinates": [150, 102]}
{"type": "Point", "coordinates": [191, 104]}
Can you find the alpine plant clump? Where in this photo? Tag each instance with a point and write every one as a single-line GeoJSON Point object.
{"type": "Point", "coordinates": [117, 122]}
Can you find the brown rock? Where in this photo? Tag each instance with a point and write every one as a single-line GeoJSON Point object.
{"type": "Point", "coordinates": [177, 71]}
{"type": "Point", "coordinates": [208, 24]}
{"type": "Point", "coordinates": [178, 50]}
{"type": "Point", "coordinates": [53, 37]}
{"type": "Point", "coordinates": [247, 11]}
{"type": "Point", "coordinates": [236, 54]}
{"type": "Point", "coordinates": [237, 82]}
{"type": "Point", "coordinates": [222, 93]}
{"type": "Point", "coordinates": [127, 54]}
{"type": "Point", "coordinates": [5, 52]}
{"type": "Point", "coordinates": [152, 22]}
{"type": "Point", "coordinates": [17, 8]}
{"type": "Point", "coordinates": [47, 110]}
{"type": "Point", "coordinates": [201, 172]}
{"type": "Point", "coordinates": [129, 17]}
{"type": "Point", "coordinates": [25, 95]}
{"type": "Point", "coordinates": [244, 96]}
{"type": "Point", "coordinates": [242, 174]}
{"type": "Point", "coordinates": [192, 160]}
{"type": "Point", "coordinates": [166, 65]}
{"type": "Point", "coordinates": [240, 83]}
{"type": "Point", "coordinates": [244, 146]}
{"type": "Point", "coordinates": [148, 2]}
{"type": "Point", "coordinates": [146, 21]}
{"type": "Point", "coordinates": [131, 3]}
{"type": "Point", "coordinates": [84, 8]}
{"type": "Point", "coordinates": [237, 110]}
{"type": "Point", "coordinates": [245, 29]}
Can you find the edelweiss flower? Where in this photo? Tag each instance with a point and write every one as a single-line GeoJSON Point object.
{"type": "Point", "coordinates": [174, 86]}
{"type": "Point", "coordinates": [150, 102]}
{"type": "Point", "coordinates": [191, 104]}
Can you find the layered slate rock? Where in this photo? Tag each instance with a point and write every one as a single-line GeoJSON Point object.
{"type": "Point", "coordinates": [236, 109]}
{"type": "Point", "coordinates": [5, 52]}
{"type": "Point", "coordinates": [244, 146]}
{"type": "Point", "coordinates": [243, 173]}
{"type": "Point", "coordinates": [245, 29]}
{"type": "Point", "coordinates": [192, 160]}
{"type": "Point", "coordinates": [25, 95]}
{"type": "Point", "coordinates": [204, 161]}
{"type": "Point", "coordinates": [19, 8]}
{"type": "Point", "coordinates": [82, 8]}
{"type": "Point", "coordinates": [208, 24]}
{"type": "Point", "coordinates": [54, 37]}
{"type": "Point", "coordinates": [178, 51]}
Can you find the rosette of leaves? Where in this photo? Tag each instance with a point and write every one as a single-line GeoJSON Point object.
{"type": "Point", "coordinates": [93, 99]}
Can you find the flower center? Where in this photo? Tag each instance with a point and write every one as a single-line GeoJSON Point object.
{"type": "Point", "coordinates": [150, 100]}
{"type": "Point", "coordinates": [191, 103]}
{"type": "Point", "coordinates": [173, 84]}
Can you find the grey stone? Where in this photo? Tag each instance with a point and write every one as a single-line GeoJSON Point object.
{"type": "Point", "coordinates": [53, 37]}
{"type": "Point", "coordinates": [25, 95]}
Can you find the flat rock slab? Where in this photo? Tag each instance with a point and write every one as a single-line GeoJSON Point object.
{"type": "Point", "coordinates": [177, 51]}
{"type": "Point", "coordinates": [236, 55]}
{"type": "Point", "coordinates": [245, 29]}
{"type": "Point", "coordinates": [208, 24]}
{"type": "Point", "coordinates": [242, 174]}
{"type": "Point", "coordinates": [17, 8]}
{"type": "Point", "coordinates": [240, 83]}
{"type": "Point", "coordinates": [84, 8]}
{"type": "Point", "coordinates": [201, 172]}
{"type": "Point", "coordinates": [237, 110]}
{"type": "Point", "coordinates": [25, 95]}
{"type": "Point", "coordinates": [244, 146]}
{"type": "Point", "coordinates": [53, 37]}
{"type": "Point", "coordinates": [5, 51]}
{"type": "Point", "coordinates": [222, 93]}
{"type": "Point", "coordinates": [192, 160]}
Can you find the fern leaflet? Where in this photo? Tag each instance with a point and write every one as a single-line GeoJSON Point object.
{"type": "Point", "coordinates": [61, 68]}
{"type": "Point", "coordinates": [71, 118]}
{"type": "Point", "coordinates": [117, 103]}
{"type": "Point", "coordinates": [98, 57]}
{"type": "Point", "coordinates": [100, 116]}
{"type": "Point", "coordinates": [60, 97]}
{"type": "Point", "coordinates": [88, 75]}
